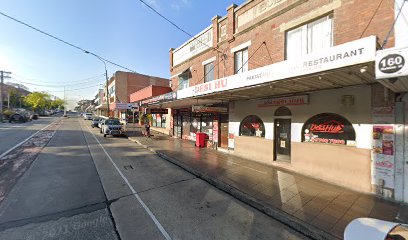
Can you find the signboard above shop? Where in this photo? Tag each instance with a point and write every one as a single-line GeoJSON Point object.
{"type": "Point", "coordinates": [124, 106]}
{"type": "Point", "coordinates": [391, 68]}
{"type": "Point", "coordinates": [284, 101]}
{"type": "Point", "coordinates": [343, 55]}
{"type": "Point", "coordinates": [160, 99]}
{"type": "Point", "coordinates": [209, 109]}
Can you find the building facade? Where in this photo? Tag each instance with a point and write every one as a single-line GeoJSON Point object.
{"type": "Point", "coordinates": [122, 84]}
{"type": "Point", "coordinates": [291, 83]}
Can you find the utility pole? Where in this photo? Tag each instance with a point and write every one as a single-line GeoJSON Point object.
{"type": "Point", "coordinates": [2, 76]}
{"type": "Point", "coordinates": [65, 107]}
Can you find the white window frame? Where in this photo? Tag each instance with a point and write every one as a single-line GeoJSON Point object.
{"type": "Point", "coordinates": [243, 62]}
{"type": "Point", "coordinates": [305, 40]}
{"type": "Point", "coordinates": [212, 70]}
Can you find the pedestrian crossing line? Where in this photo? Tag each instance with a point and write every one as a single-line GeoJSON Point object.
{"type": "Point", "coordinates": [146, 208]}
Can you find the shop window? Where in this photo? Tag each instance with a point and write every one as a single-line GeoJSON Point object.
{"type": "Point", "coordinates": [309, 38]}
{"type": "Point", "coordinates": [241, 61]}
{"type": "Point", "coordinates": [252, 126]}
{"type": "Point", "coordinates": [283, 111]}
{"type": "Point", "coordinates": [329, 128]}
{"type": "Point", "coordinates": [209, 72]}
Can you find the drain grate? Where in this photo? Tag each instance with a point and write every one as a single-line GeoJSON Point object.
{"type": "Point", "coordinates": [128, 167]}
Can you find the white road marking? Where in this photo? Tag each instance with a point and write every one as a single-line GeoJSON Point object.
{"type": "Point", "coordinates": [25, 140]}
{"type": "Point", "coordinates": [146, 208]}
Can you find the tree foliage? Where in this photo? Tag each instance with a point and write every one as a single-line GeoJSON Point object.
{"type": "Point", "coordinates": [41, 101]}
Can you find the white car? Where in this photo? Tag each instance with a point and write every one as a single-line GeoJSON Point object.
{"type": "Point", "coordinates": [375, 229]}
{"type": "Point", "coordinates": [88, 116]}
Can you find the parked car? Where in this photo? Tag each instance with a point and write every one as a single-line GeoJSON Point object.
{"type": "Point", "coordinates": [101, 122]}
{"type": "Point", "coordinates": [95, 121]}
{"type": "Point", "coordinates": [88, 116]}
{"type": "Point", "coordinates": [112, 126]}
{"type": "Point", "coordinates": [34, 116]}
{"type": "Point", "coordinates": [17, 117]}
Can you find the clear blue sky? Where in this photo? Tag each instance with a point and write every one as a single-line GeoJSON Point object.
{"type": "Point", "coordinates": [123, 31]}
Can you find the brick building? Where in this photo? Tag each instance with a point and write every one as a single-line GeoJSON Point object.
{"type": "Point", "coordinates": [291, 83]}
{"type": "Point", "coordinates": [122, 84]}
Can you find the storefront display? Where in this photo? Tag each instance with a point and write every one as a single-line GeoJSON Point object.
{"type": "Point", "coordinates": [252, 126]}
{"type": "Point", "coordinates": [328, 128]}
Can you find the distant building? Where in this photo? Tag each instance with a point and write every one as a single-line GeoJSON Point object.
{"type": "Point", "coordinates": [121, 85]}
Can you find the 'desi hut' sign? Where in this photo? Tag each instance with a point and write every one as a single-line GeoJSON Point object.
{"type": "Point", "coordinates": [348, 54]}
{"type": "Point", "coordinates": [328, 128]}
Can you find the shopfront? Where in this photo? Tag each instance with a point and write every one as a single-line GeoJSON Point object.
{"type": "Point", "coordinates": [211, 120]}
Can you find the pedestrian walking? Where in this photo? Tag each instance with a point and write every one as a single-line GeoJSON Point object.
{"type": "Point", "coordinates": [147, 129]}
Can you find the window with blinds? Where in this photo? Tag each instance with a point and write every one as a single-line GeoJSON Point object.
{"type": "Point", "coordinates": [308, 38]}
{"type": "Point", "coordinates": [241, 61]}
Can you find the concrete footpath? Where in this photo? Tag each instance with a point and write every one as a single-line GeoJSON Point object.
{"type": "Point", "coordinates": [315, 208]}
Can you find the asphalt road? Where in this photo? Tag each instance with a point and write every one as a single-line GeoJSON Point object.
{"type": "Point", "coordinates": [13, 133]}
{"type": "Point", "coordinates": [85, 186]}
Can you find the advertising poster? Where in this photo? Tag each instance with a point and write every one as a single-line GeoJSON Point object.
{"type": "Point", "coordinates": [383, 159]}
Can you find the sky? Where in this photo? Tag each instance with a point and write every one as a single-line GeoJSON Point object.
{"type": "Point", "coordinates": [123, 31]}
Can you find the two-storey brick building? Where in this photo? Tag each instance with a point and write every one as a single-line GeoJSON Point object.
{"type": "Point", "coordinates": [121, 85]}
{"type": "Point", "coordinates": [291, 83]}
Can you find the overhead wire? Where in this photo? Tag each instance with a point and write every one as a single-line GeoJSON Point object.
{"type": "Point", "coordinates": [176, 26]}
{"type": "Point", "coordinates": [371, 19]}
{"type": "Point", "coordinates": [63, 41]}
{"type": "Point", "coordinates": [393, 24]}
{"type": "Point", "coordinates": [73, 81]}
{"type": "Point", "coordinates": [55, 85]}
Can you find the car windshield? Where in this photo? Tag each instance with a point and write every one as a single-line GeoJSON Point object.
{"type": "Point", "coordinates": [112, 122]}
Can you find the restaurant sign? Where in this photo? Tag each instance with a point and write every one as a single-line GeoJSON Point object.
{"type": "Point", "coordinates": [347, 54]}
{"type": "Point", "coordinates": [123, 106]}
{"type": "Point", "coordinates": [160, 99]}
{"type": "Point", "coordinates": [284, 101]}
{"type": "Point", "coordinates": [328, 128]}
{"type": "Point", "coordinates": [204, 109]}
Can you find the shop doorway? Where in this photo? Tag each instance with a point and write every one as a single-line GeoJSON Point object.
{"type": "Point", "coordinates": [178, 126]}
{"type": "Point", "coordinates": [224, 130]}
{"type": "Point", "coordinates": [282, 130]}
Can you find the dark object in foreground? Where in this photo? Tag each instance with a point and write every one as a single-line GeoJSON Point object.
{"type": "Point", "coordinates": [16, 117]}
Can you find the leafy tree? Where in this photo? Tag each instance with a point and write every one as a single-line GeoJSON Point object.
{"type": "Point", "coordinates": [37, 100]}
{"type": "Point", "coordinates": [15, 97]}
{"type": "Point", "coordinates": [57, 103]}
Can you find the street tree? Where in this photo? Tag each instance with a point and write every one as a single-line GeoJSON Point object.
{"type": "Point", "coordinates": [37, 100]}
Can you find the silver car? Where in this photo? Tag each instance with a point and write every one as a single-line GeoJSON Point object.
{"type": "Point", "coordinates": [112, 126]}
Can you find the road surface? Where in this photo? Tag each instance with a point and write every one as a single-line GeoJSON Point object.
{"type": "Point", "coordinates": [85, 186]}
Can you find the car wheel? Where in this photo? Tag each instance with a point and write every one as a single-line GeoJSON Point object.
{"type": "Point", "coordinates": [93, 126]}
{"type": "Point", "coordinates": [104, 135]}
{"type": "Point", "coordinates": [100, 131]}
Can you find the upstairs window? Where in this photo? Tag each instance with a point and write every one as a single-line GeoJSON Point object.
{"type": "Point", "coordinates": [184, 79]}
{"type": "Point", "coordinates": [241, 61]}
{"type": "Point", "coordinates": [308, 38]}
{"type": "Point", "coordinates": [209, 72]}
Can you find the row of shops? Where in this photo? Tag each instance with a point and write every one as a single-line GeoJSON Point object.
{"type": "Point", "coordinates": [328, 119]}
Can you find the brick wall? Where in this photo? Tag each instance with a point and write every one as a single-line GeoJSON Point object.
{"type": "Point", "coordinates": [267, 31]}
{"type": "Point", "coordinates": [127, 83]}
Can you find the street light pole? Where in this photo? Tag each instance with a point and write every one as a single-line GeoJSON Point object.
{"type": "Point", "coordinates": [106, 75]}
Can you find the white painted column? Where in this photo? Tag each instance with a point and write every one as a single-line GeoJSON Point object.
{"type": "Point", "coordinates": [399, 151]}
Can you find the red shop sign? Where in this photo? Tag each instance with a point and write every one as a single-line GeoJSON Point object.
{"type": "Point", "coordinates": [328, 128]}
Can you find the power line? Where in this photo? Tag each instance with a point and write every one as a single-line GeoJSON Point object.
{"type": "Point", "coordinates": [70, 90]}
{"type": "Point", "coordinates": [73, 81]}
{"type": "Point", "coordinates": [63, 41]}
{"type": "Point", "coordinates": [56, 85]}
{"type": "Point", "coordinates": [393, 24]}
{"type": "Point", "coordinates": [176, 26]}
{"type": "Point", "coordinates": [371, 19]}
